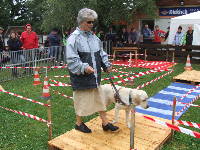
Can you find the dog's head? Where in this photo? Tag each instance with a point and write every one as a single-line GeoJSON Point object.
{"type": "Point", "coordinates": [139, 98]}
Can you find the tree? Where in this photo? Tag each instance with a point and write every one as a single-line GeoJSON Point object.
{"type": "Point", "coordinates": [35, 9]}
{"type": "Point", "coordinates": [46, 14]}
{"type": "Point", "coordinates": [11, 12]}
{"type": "Point", "coordinates": [64, 12]}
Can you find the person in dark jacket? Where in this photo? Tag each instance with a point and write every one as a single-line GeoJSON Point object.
{"type": "Point", "coordinates": [54, 43]}
{"type": "Point", "coordinates": [147, 34]}
{"type": "Point", "coordinates": [124, 36]}
{"type": "Point", "coordinates": [133, 36]}
{"type": "Point", "coordinates": [2, 46]}
{"type": "Point", "coordinates": [188, 38]}
{"type": "Point", "coordinates": [14, 46]}
{"type": "Point", "coordinates": [85, 57]}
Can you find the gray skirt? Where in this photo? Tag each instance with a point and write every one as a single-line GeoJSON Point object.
{"type": "Point", "coordinates": [89, 101]}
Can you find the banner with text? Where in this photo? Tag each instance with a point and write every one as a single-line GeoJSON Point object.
{"type": "Point", "coordinates": [177, 11]}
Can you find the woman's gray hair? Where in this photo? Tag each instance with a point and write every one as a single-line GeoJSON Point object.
{"type": "Point", "coordinates": [85, 14]}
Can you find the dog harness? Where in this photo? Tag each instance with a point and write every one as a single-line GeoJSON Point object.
{"type": "Point", "coordinates": [130, 98]}
{"type": "Point", "coordinates": [118, 99]}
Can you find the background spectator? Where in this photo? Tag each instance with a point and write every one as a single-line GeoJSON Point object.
{"type": "Point", "coordinates": [178, 37]}
{"type": "Point", "coordinates": [188, 37]}
{"type": "Point", "coordinates": [29, 38]}
{"type": "Point", "coordinates": [147, 34]}
{"type": "Point", "coordinates": [101, 35]}
{"type": "Point", "coordinates": [14, 45]}
{"type": "Point", "coordinates": [65, 36]}
{"type": "Point", "coordinates": [133, 36]}
{"type": "Point", "coordinates": [54, 42]}
{"type": "Point", "coordinates": [111, 35]}
{"type": "Point", "coordinates": [124, 35]}
{"type": "Point", "coordinates": [167, 34]}
{"type": "Point", "coordinates": [158, 35]}
{"type": "Point", "coordinates": [2, 45]}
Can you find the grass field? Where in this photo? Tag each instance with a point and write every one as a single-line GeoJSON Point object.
{"type": "Point", "coordinates": [22, 133]}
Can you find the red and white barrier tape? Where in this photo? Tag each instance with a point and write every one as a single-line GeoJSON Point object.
{"type": "Point", "coordinates": [189, 92]}
{"type": "Point", "coordinates": [58, 83]}
{"type": "Point", "coordinates": [116, 77]}
{"type": "Point", "coordinates": [158, 78]}
{"type": "Point", "coordinates": [137, 75]}
{"type": "Point", "coordinates": [65, 76]}
{"type": "Point", "coordinates": [177, 128]}
{"type": "Point", "coordinates": [193, 105]}
{"type": "Point", "coordinates": [120, 71]}
{"type": "Point", "coordinates": [25, 114]}
{"type": "Point", "coordinates": [188, 104]}
{"type": "Point", "coordinates": [146, 64]}
{"type": "Point", "coordinates": [127, 55]}
{"type": "Point", "coordinates": [57, 92]}
{"type": "Point", "coordinates": [189, 124]}
{"type": "Point", "coordinates": [55, 67]}
{"type": "Point", "coordinates": [25, 98]}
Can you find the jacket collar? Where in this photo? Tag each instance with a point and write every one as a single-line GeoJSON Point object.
{"type": "Point", "coordinates": [84, 32]}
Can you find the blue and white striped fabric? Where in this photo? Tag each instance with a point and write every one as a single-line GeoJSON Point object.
{"type": "Point", "coordinates": [160, 104]}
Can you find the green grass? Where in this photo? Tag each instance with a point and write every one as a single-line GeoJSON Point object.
{"type": "Point", "coordinates": [22, 133]}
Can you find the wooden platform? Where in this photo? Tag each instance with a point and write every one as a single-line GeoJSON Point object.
{"type": "Point", "coordinates": [149, 136]}
{"type": "Point", "coordinates": [191, 77]}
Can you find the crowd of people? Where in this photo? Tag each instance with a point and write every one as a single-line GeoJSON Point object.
{"type": "Point", "coordinates": [29, 38]}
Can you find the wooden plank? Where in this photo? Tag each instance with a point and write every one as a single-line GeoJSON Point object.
{"type": "Point", "coordinates": [148, 136]}
{"type": "Point", "coordinates": [191, 77]}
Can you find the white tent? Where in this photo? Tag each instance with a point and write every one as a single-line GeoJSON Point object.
{"type": "Point", "coordinates": [184, 21]}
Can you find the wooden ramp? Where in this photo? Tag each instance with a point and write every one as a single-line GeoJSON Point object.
{"type": "Point", "coordinates": [148, 136]}
{"type": "Point", "coordinates": [192, 77]}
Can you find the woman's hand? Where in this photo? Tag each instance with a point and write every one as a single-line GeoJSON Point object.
{"type": "Point", "coordinates": [109, 69]}
{"type": "Point", "coordinates": [89, 70]}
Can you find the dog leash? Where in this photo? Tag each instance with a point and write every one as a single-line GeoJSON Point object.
{"type": "Point", "coordinates": [116, 95]}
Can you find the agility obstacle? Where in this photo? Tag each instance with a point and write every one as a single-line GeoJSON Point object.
{"type": "Point", "coordinates": [95, 145]}
{"type": "Point", "coordinates": [189, 77]}
{"type": "Point", "coordinates": [147, 136]}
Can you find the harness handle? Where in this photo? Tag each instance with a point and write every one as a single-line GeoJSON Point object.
{"type": "Point", "coordinates": [116, 95]}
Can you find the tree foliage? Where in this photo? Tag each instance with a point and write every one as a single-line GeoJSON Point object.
{"type": "Point", "coordinates": [12, 12]}
{"type": "Point", "coordinates": [46, 14]}
{"type": "Point", "coordinates": [64, 12]}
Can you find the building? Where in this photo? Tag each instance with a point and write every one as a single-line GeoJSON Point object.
{"type": "Point", "coordinates": [167, 9]}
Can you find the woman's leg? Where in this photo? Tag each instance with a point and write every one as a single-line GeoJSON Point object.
{"type": "Point", "coordinates": [78, 120]}
{"type": "Point", "coordinates": [103, 117]}
{"type": "Point", "coordinates": [105, 124]}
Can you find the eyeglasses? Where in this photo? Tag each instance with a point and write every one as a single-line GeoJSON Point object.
{"type": "Point", "coordinates": [90, 22]}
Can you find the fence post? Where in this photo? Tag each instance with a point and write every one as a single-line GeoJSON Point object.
{"type": "Point", "coordinates": [145, 54]}
{"type": "Point", "coordinates": [49, 119]}
{"type": "Point", "coordinates": [130, 60]}
{"type": "Point", "coordinates": [173, 113]}
{"type": "Point", "coordinates": [132, 129]}
{"type": "Point", "coordinates": [173, 57]}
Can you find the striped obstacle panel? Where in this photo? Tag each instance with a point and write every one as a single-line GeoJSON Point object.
{"type": "Point", "coordinates": [161, 103]}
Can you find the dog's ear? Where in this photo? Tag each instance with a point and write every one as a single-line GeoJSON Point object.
{"type": "Point", "coordinates": [135, 97]}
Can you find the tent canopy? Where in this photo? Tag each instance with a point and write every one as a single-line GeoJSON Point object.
{"type": "Point", "coordinates": [184, 21]}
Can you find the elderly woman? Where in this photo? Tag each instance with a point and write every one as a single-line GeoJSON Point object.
{"type": "Point", "coordinates": [85, 57]}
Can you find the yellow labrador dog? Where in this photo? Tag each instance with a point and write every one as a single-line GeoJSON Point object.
{"type": "Point", "coordinates": [129, 96]}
